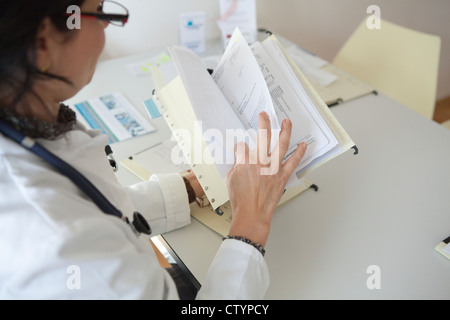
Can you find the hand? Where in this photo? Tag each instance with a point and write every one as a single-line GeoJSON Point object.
{"type": "Point", "coordinates": [258, 179]}
{"type": "Point", "coordinates": [198, 190]}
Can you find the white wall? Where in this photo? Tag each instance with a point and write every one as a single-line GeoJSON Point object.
{"type": "Point", "coordinates": [321, 26]}
{"type": "Point", "coordinates": [154, 24]}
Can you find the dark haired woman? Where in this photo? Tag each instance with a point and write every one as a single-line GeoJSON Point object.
{"type": "Point", "coordinates": [50, 230]}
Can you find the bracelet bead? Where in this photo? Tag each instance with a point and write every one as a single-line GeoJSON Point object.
{"type": "Point", "coordinates": [247, 241]}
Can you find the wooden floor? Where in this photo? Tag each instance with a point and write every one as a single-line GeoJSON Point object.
{"type": "Point", "coordinates": [442, 110]}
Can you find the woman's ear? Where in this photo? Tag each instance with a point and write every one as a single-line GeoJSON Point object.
{"type": "Point", "coordinates": [44, 46]}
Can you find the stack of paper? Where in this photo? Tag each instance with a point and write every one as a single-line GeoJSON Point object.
{"type": "Point", "coordinates": [209, 114]}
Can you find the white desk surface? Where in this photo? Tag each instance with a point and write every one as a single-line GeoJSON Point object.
{"type": "Point", "coordinates": [387, 206]}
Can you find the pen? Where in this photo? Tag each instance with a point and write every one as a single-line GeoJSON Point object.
{"type": "Point", "coordinates": [112, 161]}
{"type": "Point", "coordinates": [139, 152]}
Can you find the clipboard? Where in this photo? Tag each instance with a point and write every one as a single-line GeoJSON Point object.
{"type": "Point", "coordinates": [444, 248]}
{"type": "Point", "coordinates": [344, 89]}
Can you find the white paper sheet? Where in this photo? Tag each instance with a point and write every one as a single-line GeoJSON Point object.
{"type": "Point", "coordinates": [292, 102]}
{"type": "Point", "coordinates": [144, 67]}
{"type": "Point", "coordinates": [210, 106]}
{"type": "Point", "coordinates": [446, 248]}
{"type": "Point", "coordinates": [311, 66]}
{"type": "Point", "coordinates": [241, 81]}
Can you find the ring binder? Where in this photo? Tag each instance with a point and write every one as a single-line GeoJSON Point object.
{"type": "Point", "coordinates": [335, 103]}
{"type": "Point", "coordinates": [266, 31]}
{"type": "Point", "coordinates": [180, 113]}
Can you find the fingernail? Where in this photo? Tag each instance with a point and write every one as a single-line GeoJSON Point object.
{"type": "Point", "coordinates": [303, 145]}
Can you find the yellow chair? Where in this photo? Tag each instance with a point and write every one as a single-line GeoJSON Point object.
{"type": "Point", "coordinates": [399, 62]}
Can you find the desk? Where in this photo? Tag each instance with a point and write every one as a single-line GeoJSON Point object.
{"type": "Point", "coordinates": [389, 206]}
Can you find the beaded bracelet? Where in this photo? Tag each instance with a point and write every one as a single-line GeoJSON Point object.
{"type": "Point", "coordinates": [256, 245]}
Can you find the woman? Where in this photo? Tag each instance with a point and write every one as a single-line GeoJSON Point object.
{"type": "Point", "coordinates": [48, 225]}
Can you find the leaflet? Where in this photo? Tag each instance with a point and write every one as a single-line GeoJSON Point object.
{"type": "Point", "coordinates": [292, 102]}
{"type": "Point", "coordinates": [240, 80]}
{"type": "Point", "coordinates": [115, 116]}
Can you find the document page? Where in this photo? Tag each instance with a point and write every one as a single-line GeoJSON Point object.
{"type": "Point", "coordinates": [179, 114]}
{"type": "Point", "coordinates": [212, 111]}
{"type": "Point", "coordinates": [292, 101]}
{"type": "Point", "coordinates": [242, 83]}
{"type": "Point", "coordinates": [207, 100]}
{"type": "Point", "coordinates": [247, 81]}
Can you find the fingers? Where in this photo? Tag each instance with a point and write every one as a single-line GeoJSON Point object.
{"type": "Point", "coordinates": [294, 160]}
{"type": "Point", "coordinates": [242, 153]}
{"type": "Point", "coordinates": [264, 138]}
{"type": "Point", "coordinates": [244, 156]}
{"type": "Point", "coordinates": [241, 149]}
{"type": "Point", "coordinates": [282, 146]}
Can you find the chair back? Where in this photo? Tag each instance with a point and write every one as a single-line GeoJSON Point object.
{"type": "Point", "coordinates": [397, 61]}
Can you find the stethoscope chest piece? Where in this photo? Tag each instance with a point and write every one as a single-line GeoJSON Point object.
{"type": "Point", "coordinates": [139, 224]}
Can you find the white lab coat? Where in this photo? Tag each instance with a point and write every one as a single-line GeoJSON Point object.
{"type": "Point", "coordinates": [56, 244]}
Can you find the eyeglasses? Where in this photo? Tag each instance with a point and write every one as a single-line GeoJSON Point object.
{"type": "Point", "coordinates": [110, 11]}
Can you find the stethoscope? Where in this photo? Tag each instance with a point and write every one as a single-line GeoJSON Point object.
{"type": "Point", "coordinates": [139, 224]}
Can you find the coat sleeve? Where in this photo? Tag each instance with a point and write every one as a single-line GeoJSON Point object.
{"type": "Point", "coordinates": [163, 201]}
{"type": "Point", "coordinates": [238, 272]}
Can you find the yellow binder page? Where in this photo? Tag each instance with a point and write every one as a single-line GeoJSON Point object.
{"type": "Point", "coordinates": [180, 117]}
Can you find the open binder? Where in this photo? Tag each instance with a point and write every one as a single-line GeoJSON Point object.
{"type": "Point", "coordinates": [182, 108]}
{"type": "Point", "coordinates": [339, 86]}
{"type": "Point", "coordinates": [345, 88]}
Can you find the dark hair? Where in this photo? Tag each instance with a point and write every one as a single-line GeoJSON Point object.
{"type": "Point", "coordinates": [19, 23]}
